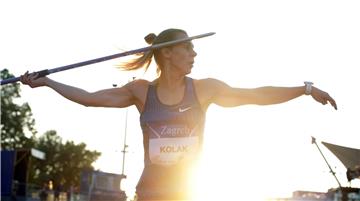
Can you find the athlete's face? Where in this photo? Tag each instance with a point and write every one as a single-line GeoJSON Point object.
{"type": "Point", "coordinates": [182, 56]}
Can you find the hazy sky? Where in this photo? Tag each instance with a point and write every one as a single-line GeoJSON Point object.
{"type": "Point", "coordinates": [257, 43]}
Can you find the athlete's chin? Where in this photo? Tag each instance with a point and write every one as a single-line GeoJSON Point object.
{"type": "Point", "coordinates": [189, 69]}
{"type": "Point", "coordinates": [188, 72]}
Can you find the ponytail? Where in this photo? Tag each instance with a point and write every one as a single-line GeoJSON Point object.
{"type": "Point", "coordinates": [143, 60]}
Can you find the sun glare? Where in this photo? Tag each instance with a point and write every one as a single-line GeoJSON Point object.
{"type": "Point", "coordinates": [220, 175]}
{"type": "Point", "coordinates": [217, 182]}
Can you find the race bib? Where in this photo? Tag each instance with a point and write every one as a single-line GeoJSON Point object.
{"type": "Point", "coordinates": [169, 151]}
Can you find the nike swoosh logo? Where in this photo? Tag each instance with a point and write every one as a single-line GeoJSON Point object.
{"type": "Point", "coordinates": [184, 109]}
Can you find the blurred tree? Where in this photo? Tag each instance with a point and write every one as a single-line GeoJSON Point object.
{"type": "Point", "coordinates": [64, 161]}
{"type": "Point", "coordinates": [16, 120]}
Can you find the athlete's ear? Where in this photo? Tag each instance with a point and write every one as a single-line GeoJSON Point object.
{"type": "Point", "coordinates": [165, 52]}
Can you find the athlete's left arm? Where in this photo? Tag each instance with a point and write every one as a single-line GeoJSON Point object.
{"type": "Point", "coordinates": [222, 94]}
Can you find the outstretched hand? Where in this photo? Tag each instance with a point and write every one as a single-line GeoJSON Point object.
{"type": "Point", "coordinates": [323, 97]}
{"type": "Point", "coordinates": [32, 79]}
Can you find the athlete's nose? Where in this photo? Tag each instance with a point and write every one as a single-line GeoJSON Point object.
{"type": "Point", "coordinates": [194, 53]}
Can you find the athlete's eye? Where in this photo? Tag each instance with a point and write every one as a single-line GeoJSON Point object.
{"type": "Point", "coordinates": [189, 46]}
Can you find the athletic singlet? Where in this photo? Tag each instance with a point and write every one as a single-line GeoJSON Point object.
{"type": "Point", "coordinates": [172, 139]}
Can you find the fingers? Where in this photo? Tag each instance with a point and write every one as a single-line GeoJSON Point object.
{"type": "Point", "coordinates": [34, 76]}
{"type": "Point", "coordinates": [327, 99]}
{"type": "Point", "coordinates": [332, 102]}
{"type": "Point", "coordinates": [323, 98]}
{"type": "Point", "coordinates": [24, 78]}
{"type": "Point", "coordinates": [28, 79]}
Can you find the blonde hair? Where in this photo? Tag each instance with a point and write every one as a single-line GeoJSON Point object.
{"type": "Point", "coordinates": [143, 60]}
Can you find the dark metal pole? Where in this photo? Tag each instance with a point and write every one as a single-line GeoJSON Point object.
{"type": "Point", "coordinates": [125, 145]}
{"type": "Point", "coordinates": [125, 130]}
{"type": "Point", "coordinates": [313, 141]}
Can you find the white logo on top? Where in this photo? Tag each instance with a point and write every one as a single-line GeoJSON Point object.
{"type": "Point", "coordinates": [184, 109]}
{"type": "Point", "coordinates": [168, 131]}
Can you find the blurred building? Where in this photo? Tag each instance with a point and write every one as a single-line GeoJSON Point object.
{"type": "Point", "coordinates": [333, 194]}
{"type": "Point", "coordinates": [14, 173]}
{"type": "Point", "coordinates": [99, 186]}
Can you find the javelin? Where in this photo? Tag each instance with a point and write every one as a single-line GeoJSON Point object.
{"type": "Point", "coordinates": [45, 72]}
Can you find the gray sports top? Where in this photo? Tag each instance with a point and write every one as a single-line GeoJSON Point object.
{"type": "Point", "coordinates": [172, 134]}
{"type": "Point", "coordinates": [172, 138]}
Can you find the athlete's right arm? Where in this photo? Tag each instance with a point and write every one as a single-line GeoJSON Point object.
{"type": "Point", "coordinates": [112, 97]}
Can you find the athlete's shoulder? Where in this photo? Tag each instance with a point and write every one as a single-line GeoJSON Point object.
{"type": "Point", "coordinates": [206, 89]}
{"type": "Point", "coordinates": [138, 86]}
{"type": "Point", "coordinates": [207, 82]}
{"type": "Point", "coordinates": [138, 83]}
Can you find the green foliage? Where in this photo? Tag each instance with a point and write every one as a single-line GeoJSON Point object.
{"type": "Point", "coordinates": [64, 161]}
{"type": "Point", "coordinates": [15, 119]}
